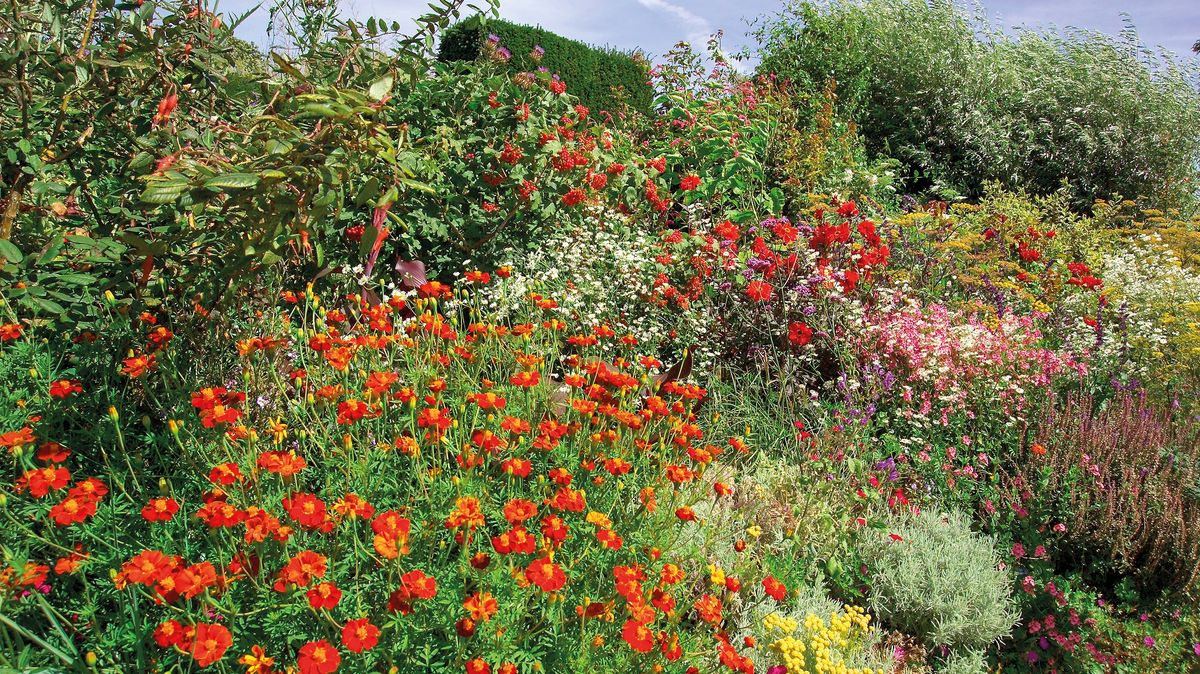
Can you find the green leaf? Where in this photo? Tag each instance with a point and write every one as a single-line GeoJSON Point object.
{"type": "Point", "coordinates": [286, 66]}
{"type": "Point", "coordinates": [11, 252]}
{"type": "Point", "coordinates": [381, 87]}
{"type": "Point", "coordinates": [232, 181]}
{"type": "Point", "coordinates": [162, 194]}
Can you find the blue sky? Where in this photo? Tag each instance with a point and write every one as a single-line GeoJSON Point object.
{"type": "Point", "coordinates": [655, 25]}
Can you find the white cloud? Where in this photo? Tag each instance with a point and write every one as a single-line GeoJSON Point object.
{"type": "Point", "coordinates": [699, 28]}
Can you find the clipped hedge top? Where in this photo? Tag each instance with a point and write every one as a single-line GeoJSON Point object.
{"type": "Point", "coordinates": [591, 73]}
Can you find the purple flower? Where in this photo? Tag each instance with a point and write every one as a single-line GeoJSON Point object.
{"type": "Point", "coordinates": [777, 669]}
{"type": "Point", "coordinates": [1196, 649]}
{"type": "Point", "coordinates": [1149, 641]}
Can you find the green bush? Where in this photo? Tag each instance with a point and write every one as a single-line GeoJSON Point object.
{"type": "Point", "coordinates": [603, 79]}
{"type": "Point", "coordinates": [939, 581]}
{"type": "Point", "coordinates": [959, 102]}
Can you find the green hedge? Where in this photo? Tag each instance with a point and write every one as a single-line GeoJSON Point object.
{"type": "Point", "coordinates": [591, 73]}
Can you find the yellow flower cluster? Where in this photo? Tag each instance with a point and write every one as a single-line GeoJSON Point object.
{"type": "Point", "coordinates": [822, 647]}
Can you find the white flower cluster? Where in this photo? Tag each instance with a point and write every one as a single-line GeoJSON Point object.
{"type": "Point", "coordinates": [600, 273]}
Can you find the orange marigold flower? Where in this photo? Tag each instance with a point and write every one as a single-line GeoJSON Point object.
{"type": "Point", "coordinates": [18, 438]}
{"type": "Point", "coordinates": [190, 582]}
{"type": "Point", "coordinates": [708, 608]}
{"type": "Point", "coordinates": [225, 474]}
{"type": "Point", "coordinates": [257, 661]}
{"type": "Point", "coordinates": [302, 570]}
{"type": "Point", "coordinates": [139, 365]}
{"type": "Point", "coordinates": [518, 510]}
{"type": "Point", "coordinates": [466, 513]}
{"type": "Point", "coordinates": [391, 534]}
{"type": "Point", "coordinates": [482, 606]}
{"type": "Point", "coordinates": [71, 562]}
{"type": "Point", "coordinates": [281, 463]}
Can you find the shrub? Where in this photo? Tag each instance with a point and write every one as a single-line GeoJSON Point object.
{"type": "Point", "coordinates": [1125, 476]}
{"type": "Point", "coordinates": [959, 102]}
{"type": "Point", "coordinates": [938, 580]}
{"type": "Point", "coordinates": [591, 73]}
{"type": "Point", "coordinates": [504, 162]}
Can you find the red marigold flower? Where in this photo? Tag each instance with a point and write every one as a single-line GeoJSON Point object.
{"type": "Point", "coordinates": [210, 643]}
{"type": "Point", "coordinates": [418, 585]}
{"type": "Point", "coordinates": [517, 467]}
{"type": "Point", "coordinates": [73, 509]}
{"type": "Point", "coordinates": [546, 575]}
{"type": "Point", "coordinates": [168, 634]}
{"type": "Point", "coordinates": [41, 481]}
{"type": "Point", "coordinates": [519, 510]}
{"type": "Point", "coordinates": [478, 666]}
{"type": "Point", "coordinates": [689, 182]}
{"type": "Point", "coordinates": [148, 567]}
{"type": "Point", "coordinates": [301, 570]}
{"type": "Point", "coordinates": [194, 580]}
{"type": "Point", "coordinates": [318, 657]}
{"type": "Point", "coordinates": [65, 387]}
{"type": "Point", "coordinates": [775, 589]}
{"type": "Point", "coordinates": [686, 514]}
{"type": "Point", "coordinates": [139, 365]}
{"type": "Point", "coordinates": [308, 510]}
{"type": "Point", "coordinates": [225, 474]}
{"type": "Point", "coordinates": [638, 636]}
{"type": "Point", "coordinates": [9, 332]}
{"type": "Point", "coordinates": [360, 635]}
{"type": "Point", "coordinates": [160, 509]}
{"type": "Point", "coordinates": [759, 291]}
{"type": "Point", "coordinates": [52, 452]}
{"type": "Point", "coordinates": [324, 595]}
